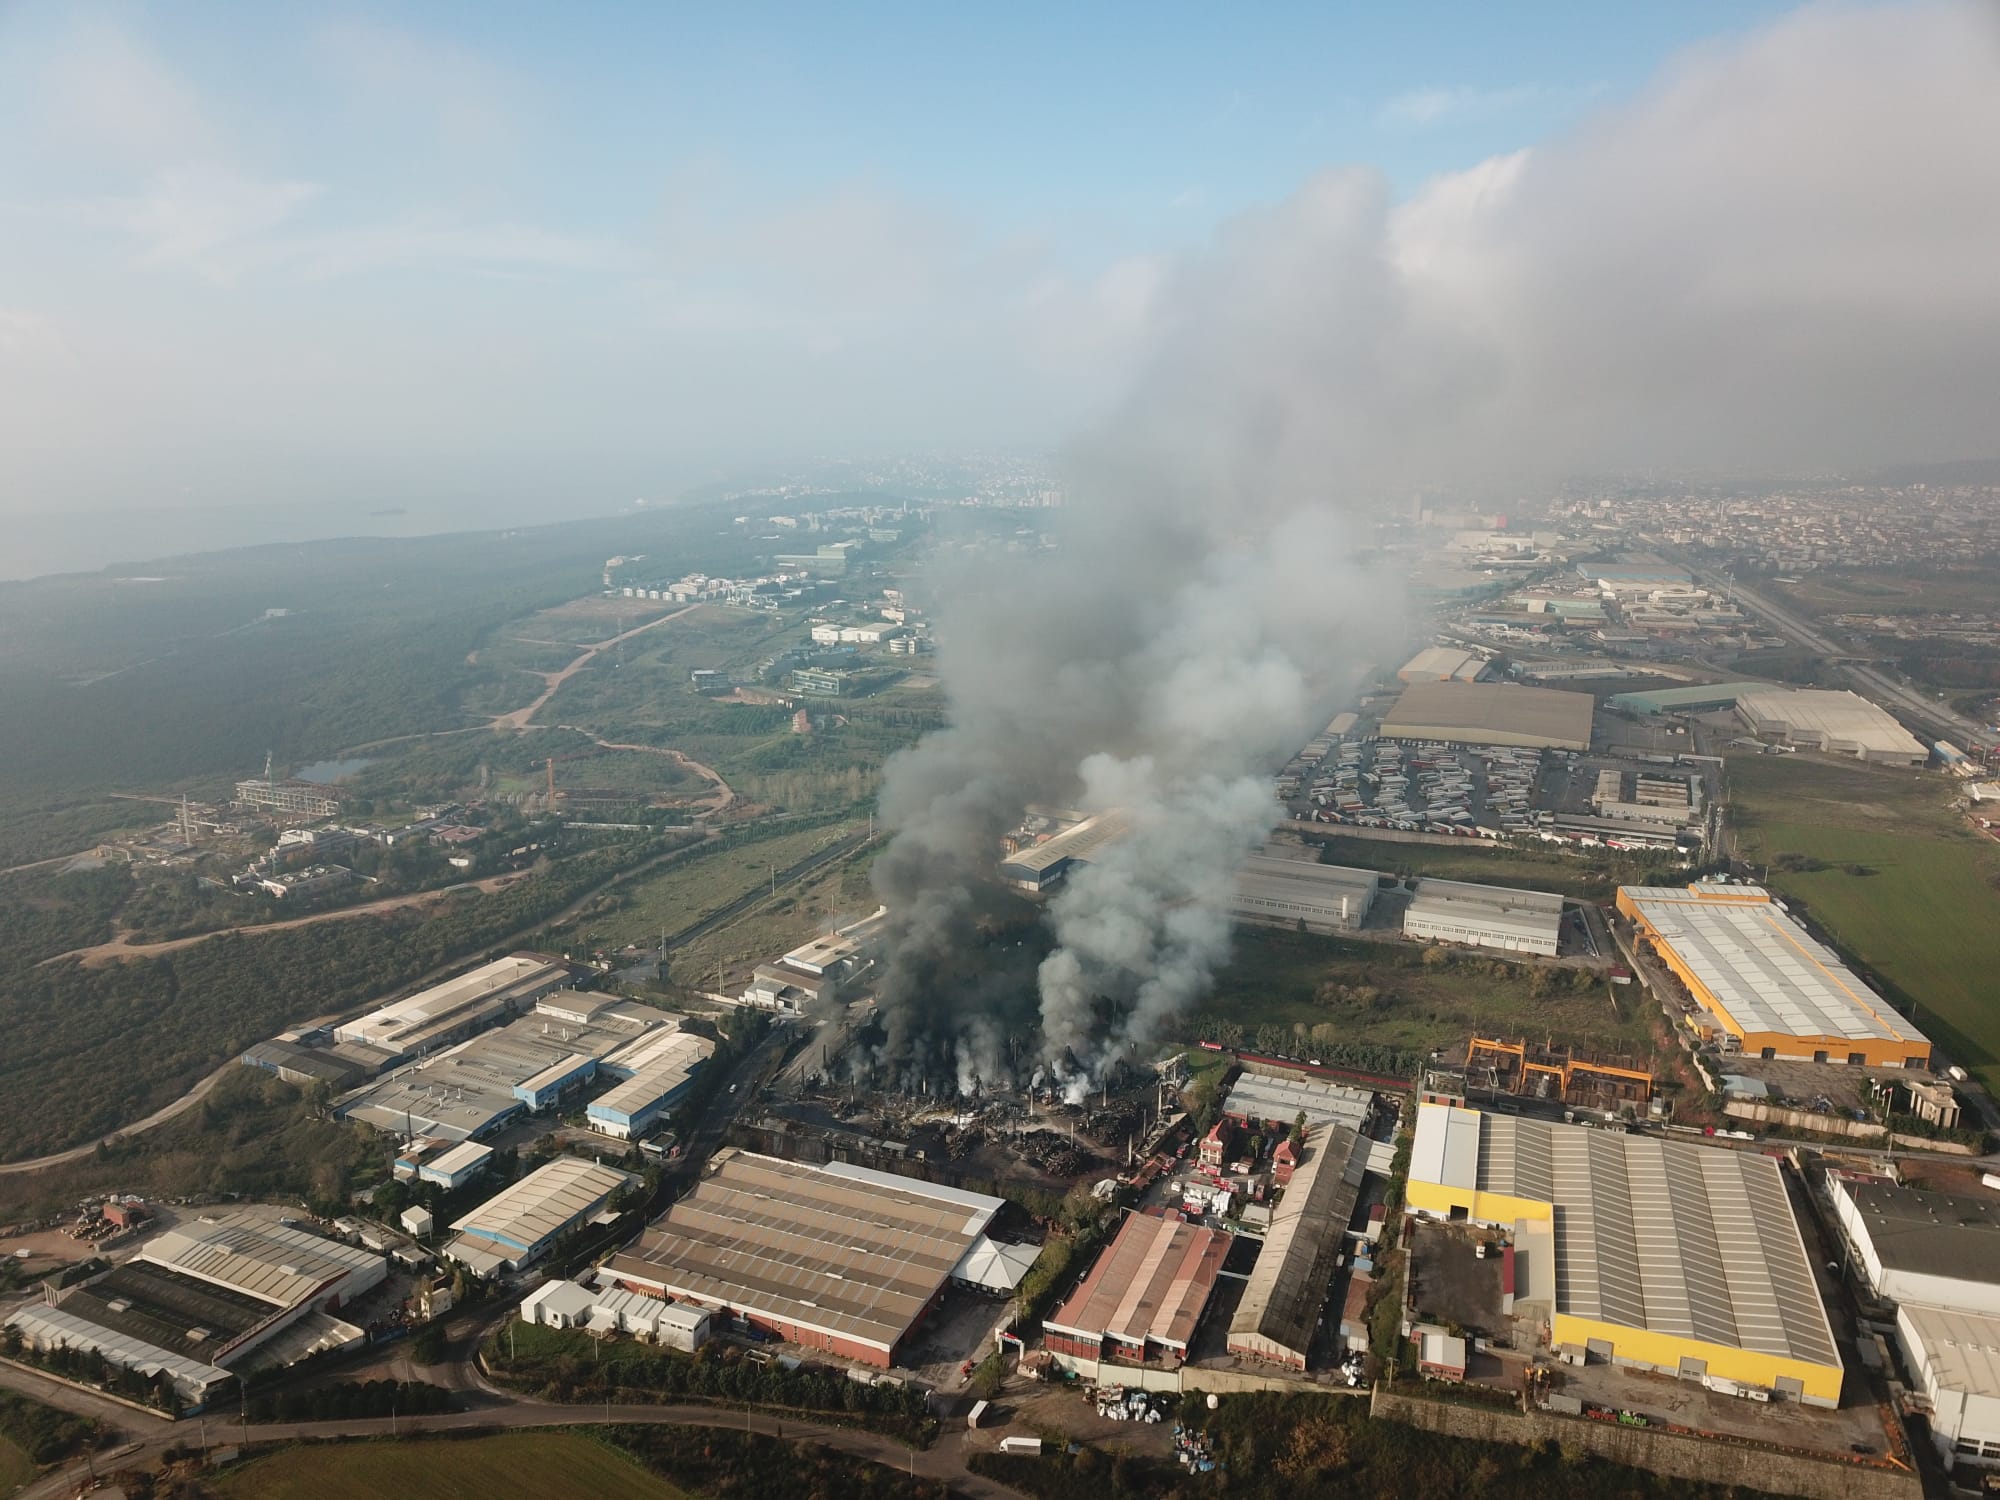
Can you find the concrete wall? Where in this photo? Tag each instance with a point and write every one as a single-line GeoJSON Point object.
{"type": "Point", "coordinates": [1800, 1119]}
{"type": "Point", "coordinates": [1670, 1453]}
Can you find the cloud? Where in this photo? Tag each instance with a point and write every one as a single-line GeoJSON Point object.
{"type": "Point", "coordinates": [1775, 256]}
{"type": "Point", "coordinates": [99, 87]}
{"type": "Point", "coordinates": [1421, 107]}
{"type": "Point", "coordinates": [472, 102]}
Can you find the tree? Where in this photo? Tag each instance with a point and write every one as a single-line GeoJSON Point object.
{"type": "Point", "coordinates": [1299, 1130]}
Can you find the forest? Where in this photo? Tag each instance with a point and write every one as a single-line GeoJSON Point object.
{"type": "Point", "coordinates": [90, 1050]}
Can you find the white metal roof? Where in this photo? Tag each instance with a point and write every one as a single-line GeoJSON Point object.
{"type": "Point", "coordinates": [1257, 1096]}
{"type": "Point", "coordinates": [44, 1327]}
{"type": "Point", "coordinates": [273, 1262]}
{"type": "Point", "coordinates": [1843, 720]}
{"type": "Point", "coordinates": [1763, 968]}
{"type": "Point", "coordinates": [1446, 1150]}
{"type": "Point", "coordinates": [1958, 1351]}
{"type": "Point", "coordinates": [540, 1204]}
{"type": "Point", "coordinates": [460, 1157]}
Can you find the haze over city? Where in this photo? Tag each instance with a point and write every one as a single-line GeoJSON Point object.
{"type": "Point", "coordinates": [934, 754]}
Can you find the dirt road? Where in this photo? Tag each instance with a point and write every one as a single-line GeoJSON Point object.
{"type": "Point", "coordinates": [521, 718]}
{"type": "Point", "coordinates": [120, 949]}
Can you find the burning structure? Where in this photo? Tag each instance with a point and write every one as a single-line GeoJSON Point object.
{"type": "Point", "coordinates": [1181, 642]}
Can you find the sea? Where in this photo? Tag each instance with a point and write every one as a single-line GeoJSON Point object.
{"type": "Point", "coordinates": [83, 542]}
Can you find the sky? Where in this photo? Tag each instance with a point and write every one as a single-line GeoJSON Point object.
{"type": "Point", "coordinates": [370, 255]}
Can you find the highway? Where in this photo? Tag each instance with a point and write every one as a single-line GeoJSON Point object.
{"type": "Point", "coordinates": [1883, 689]}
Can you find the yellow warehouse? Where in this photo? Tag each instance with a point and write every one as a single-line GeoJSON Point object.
{"type": "Point", "coordinates": [1761, 979]}
{"type": "Point", "coordinates": [1678, 1258]}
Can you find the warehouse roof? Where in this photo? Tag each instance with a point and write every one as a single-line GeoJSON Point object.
{"type": "Point", "coordinates": [1288, 1285]}
{"type": "Point", "coordinates": [1678, 1239]}
{"type": "Point", "coordinates": [1282, 889]}
{"type": "Point", "coordinates": [540, 1205]}
{"type": "Point", "coordinates": [277, 1262]}
{"type": "Point", "coordinates": [1490, 713]}
{"type": "Point", "coordinates": [403, 1023]}
{"type": "Point", "coordinates": [1442, 664]}
{"type": "Point", "coordinates": [1929, 1234]}
{"type": "Point", "coordinates": [1764, 969]}
{"type": "Point", "coordinates": [1701, 695]}
{"type": "Point", "coordinates": [1841, 718]}
{"type": "Point", "coordinates": [168, 1310]}
{"type": "Point", "coordinates": [463, 1157]}
{"type": "Point", "coordinates": [1074, 844]}
{"type": "Point", "coordinates": [848, 1251]}
{"type": "Point", "coordinates": [46, 1327]}
{"type": "Point", "coordinates": [1261, 1096]}
{"type": "Point", "coordinates": [663, 1069]}
{"type": "Point", "coordinates": [1150, 1283]}
{"type": "Point", "coordinates": [1961, 1348]}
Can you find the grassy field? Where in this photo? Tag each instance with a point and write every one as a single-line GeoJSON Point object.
{"type": "Point", "coordinates": [512, 1466]}
{"type": "Point", "coordinates": [16, 1468]}
{"type": "Point", "coordinates": [1889, 591]}
{"type": "Point", "coordinates": [1387, 995]}
{"type": "Point", "coordinates": [1923, 917]}
{"type": "Point", "coordinates": [1590, 878]}
{"type": "Point", "coordinates": [683, 893]}
{"type": "Point", "coordinates": [838, 892]}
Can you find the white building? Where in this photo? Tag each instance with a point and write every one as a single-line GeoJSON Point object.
{"type": "Point", "coordinates": [1912, 1246]}
{"type": "Point", "coordinates": [1955, 1358]}
{"type": "Point", "coordinates": [1485, 916]}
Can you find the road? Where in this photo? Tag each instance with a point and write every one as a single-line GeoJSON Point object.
{"type": "Point", "coordinates": [122, 949]}
{"type": "Point", "coordinates": [521, 718]}
{"type": "Point", "coordinates": [1885, 690]}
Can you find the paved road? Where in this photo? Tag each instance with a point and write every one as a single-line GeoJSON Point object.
{"type": "Point", "coordinates": [945, 1461]}
{"type": "Point", "coordinates": [1882, 688]}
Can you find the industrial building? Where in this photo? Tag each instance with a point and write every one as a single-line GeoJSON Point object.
{"type": "Point", "coordinates": [1915, 1246]}
{"type": "Point", "coordinates": [1485, 916]}
{"type": "Point", "coordinates": [1143, 1299]}
{"type": "Point", "coordinates": [297, 799]}
{"type": "Point", "coordinates": [517, 1225]}
{"type": "Point", "coordinates": [1043, 866]}
{"type": "Point", "coordinates": [661, 1073]}
{"type": "Point", "coordinates": [1260, 1094]}
{"type": "Point", "coordinates": [454, 1166]}
{"type": "Point", "coordinates": [1280, 1308]}
{"type": "Point", "coordinates": [568, 1304]}
{"type": "Point", "coordinates": [834, 1257]}
{"type": "Point", "coordinates": [527, 1066]}
{"type": "Point", "coordinates": [339, 1067]}
{"type": "Point", "coordinates": [1840, 723]}
{"type": "Point", "coordinates": [1272, 890]}
{"type": "Point", "coordinates": [1490, 713]}
{"type": "Point", "coordinates": [1765, 987]}
{"type": "Point", "coordinates": [1954, 1358]}
{"type": "Point", "coordinates": [1682, 1259]}
{"type": "Point", "coordinates": [1700, 698]}
{"type": "Point", "coordinates": [450, 1012]}
{"type": "Point", "coordinates": [1445, 664]}
{"type": "Point", "coordinates": [825, 968]}
{"type": "Point", "coordinates": [210, 1299]}
{"type": "Point", "coordinates": [1672, 800]}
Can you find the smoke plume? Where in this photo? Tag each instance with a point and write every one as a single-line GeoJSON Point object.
{"type": "Point", "coordinates": [1776, 255]}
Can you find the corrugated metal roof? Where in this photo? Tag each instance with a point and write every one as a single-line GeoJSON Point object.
{"type": "Point", "coordinates": [1763, 968]}
{"type": "Point", "coordinates": [538, 1206]}
{"type": "Point", "coordinates": [842, 1249]}
{"type": "Point", "coordinates": [1652, 1234]}
{"type": "Point", "coordinates": [1281, 1302]}
{"type": "Point", "coordinates": [1149, 1284]}
{"type": "Point", "coordinates": [1958, 1351]}
{"type": "Point", "coordinates": [280, 1264]}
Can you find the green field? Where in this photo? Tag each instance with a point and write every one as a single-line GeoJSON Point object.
{"type": "Point", "coordinates": [1892, 591]}
{"type": "Point", "coordinates": [682, 892]}
{"type": "Point", "coordinates": [1923, 917]}
{"type": "Point", "coordinates": [1388, 995]}
{"type": "Point", "coordinates": [834, 893]}
{"type": "Point", "coordinates": [512, 1466]}
{"type": "Point", "coordinates": [16, 1468]}
{"type": "Point", "coordinates": [1593, 877]}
